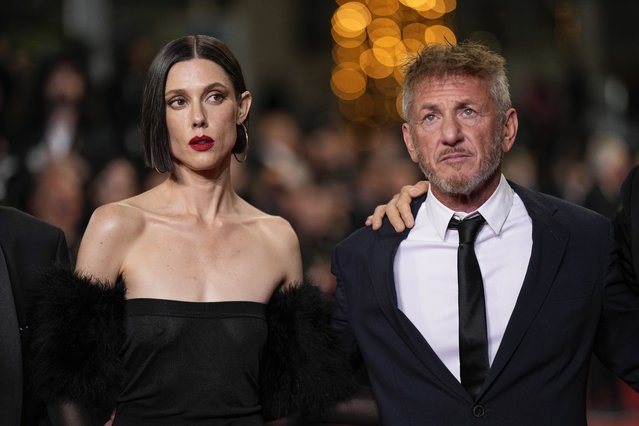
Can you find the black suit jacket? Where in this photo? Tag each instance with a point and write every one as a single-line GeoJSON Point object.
{"type": "Point", "coordinates": [573, 302]}
{"type": "Point", "coordinates": [27, 245]}
{"type": "Point", "coordinates": [627, 228]}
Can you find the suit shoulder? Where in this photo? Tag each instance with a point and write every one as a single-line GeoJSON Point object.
{"type": "Point", "coordinates": [566, 211]}
{"type": "Point", "coordinates": [14, 221]}
{"type": "Point", "coordinates": [357, 239]}
{"type": "Point", "coordinates": [365, 237]}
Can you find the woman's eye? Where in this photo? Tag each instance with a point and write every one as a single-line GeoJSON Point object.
{"type": "Point", "coordinates": [176, 102]}
{"type": "Point", "coordinates": [215, 97]}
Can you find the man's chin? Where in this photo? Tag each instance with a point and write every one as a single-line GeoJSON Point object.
{"type": "Point", "coordinates": [460, 186]}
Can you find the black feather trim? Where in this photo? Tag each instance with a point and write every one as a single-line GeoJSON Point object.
{"type": "Point", "coordinates": [78, 331]}
{"type": "Point", "coordinates": [303, 370]}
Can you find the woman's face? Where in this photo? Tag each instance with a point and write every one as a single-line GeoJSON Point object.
{"type": "Point", "coordinates": [202, 112]}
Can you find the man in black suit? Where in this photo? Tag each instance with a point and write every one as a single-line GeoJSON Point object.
{"type": "Point", "coordinates": [27, 246]}
{"type": "Point", "coordinates": [498, 329]}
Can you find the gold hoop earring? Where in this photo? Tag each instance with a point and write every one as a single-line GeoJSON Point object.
{"type": "Point", "coordinates": [244, 153]}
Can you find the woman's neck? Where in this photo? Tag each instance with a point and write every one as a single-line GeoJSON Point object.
{"type": "Point", "coordinates": [201, 194]}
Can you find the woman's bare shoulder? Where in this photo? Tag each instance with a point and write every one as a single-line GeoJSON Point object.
{"type": "Point", "coordinates": [116, 219]}
{"type": "Point", "coordinates": [275, 227]}
{"type": "Point", "coordinates": [282, 241]}
{"type": "Point", "coordinates": [111, 230]}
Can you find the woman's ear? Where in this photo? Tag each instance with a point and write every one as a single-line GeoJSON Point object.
{"type": "Point", "coordinates": [244, 106]}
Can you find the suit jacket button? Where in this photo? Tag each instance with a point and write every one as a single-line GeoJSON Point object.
{"type": "Point", "coordinates": [479, 410]}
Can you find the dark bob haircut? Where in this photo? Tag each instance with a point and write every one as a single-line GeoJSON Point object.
{"type": "Point", "coordinates": [155, 135]}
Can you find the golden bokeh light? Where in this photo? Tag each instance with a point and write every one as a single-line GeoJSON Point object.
{"type": "Point", "coordinates": [349, 42]}
{"type": "Point", "coordinates": [385, 31]}
{"type": "Point", "coordinates": [450, 5]}
{"type": "Point", "coordinates": [418, 4]}
{"type": "Point", "coordinates": [440, 34]}
{"type": "Point", "coordinates": [348, 82]}
{"type": "Point", "coordinates": [383, 7]}
{"type": "Point", "coordinates": [437, 8]}
{"type": "Point", "coordinates": [373, 40]}
{"type": "Point", "coordinates": [348, 56]}
{"type": "Point", "coordinates": [384, 56]}
{"type": "Point", "coordinates": [398, 74]}
{"type": "Point", "coordinates": [372, 67]}
{"type": "Point", "coordinates": [351, 19]}
{"type": "Point", "coordinates": [414, 36]}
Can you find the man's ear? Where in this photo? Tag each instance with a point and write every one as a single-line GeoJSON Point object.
{"type": "Point", "coordinates": [407, 134]}
{"type": "Point", "coordinates": [511, 124]}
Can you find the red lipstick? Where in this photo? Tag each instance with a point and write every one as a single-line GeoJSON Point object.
{"type": "Point", "coordinates": [201, 143]}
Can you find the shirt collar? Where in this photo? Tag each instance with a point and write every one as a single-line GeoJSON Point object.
{"type": "Point", "coordinates": [495, 210]}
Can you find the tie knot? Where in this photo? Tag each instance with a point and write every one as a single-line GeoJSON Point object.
{"type": "Point", "coordinates": [468, 228]}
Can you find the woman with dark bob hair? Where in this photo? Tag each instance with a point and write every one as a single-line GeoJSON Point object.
{"type": "Point", "coordinates": [187, 304]}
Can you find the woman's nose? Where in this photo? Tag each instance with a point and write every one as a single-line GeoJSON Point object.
{"type": "Point", "coordinates": [199, 117]}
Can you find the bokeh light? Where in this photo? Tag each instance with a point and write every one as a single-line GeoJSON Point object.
{"type": "Point", "coordinates": [372, 41]}
{"type": "Point", "coordinates": [348, 82]}
{"type": "Point", "coordinates": [383, 7]}
{"type": "Point", "coordinates": [351, 19]}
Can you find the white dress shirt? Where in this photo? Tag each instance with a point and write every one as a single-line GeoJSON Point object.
{"type": "Point", "coordinates": [425, 270]}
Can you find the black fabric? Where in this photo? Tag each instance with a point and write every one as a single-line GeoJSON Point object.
{"type": "Point", "coordinates": [10, 352]}
{"type": "Point", "coordinates": [190, 363]}
{"type": "Point", "coordinates": [473, 340]}
{"type": "Point", "coordinates": [627, 229]}
{"type": "Point", "coordinates": [28, 245]}
{"type": "Point", "coordinates": [304, 371]}
{"type": "Point", "coordinates": [77, 331]}
{"type": "Point", "coordinates": [171, 362]}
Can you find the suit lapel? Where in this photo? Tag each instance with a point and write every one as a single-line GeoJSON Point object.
{"type": "Point", "coordinates": [549, 243]}
{"type": "Point", "coordinates": [10, 352]}
{"type": "Point", "coordinates": [382, 255]}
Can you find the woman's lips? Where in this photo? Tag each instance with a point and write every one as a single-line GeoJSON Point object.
{"type": "Point", "coordinates": [201, 143]}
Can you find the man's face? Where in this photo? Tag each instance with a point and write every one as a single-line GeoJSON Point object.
{"type": "Point", "coordinates": [455, 134]}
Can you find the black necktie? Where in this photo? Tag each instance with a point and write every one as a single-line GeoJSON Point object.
{"type": "Point", "coordinates": [473, 341]}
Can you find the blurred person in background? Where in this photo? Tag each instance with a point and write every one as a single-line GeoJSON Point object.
{"type": "Point", "coordinates": [59, 197]}
{"type": "Point", "coordinates": [608, 158]}
{"type": "Point", "coordinates": [117, 181]}
{"type": "Point", "coordinates": [194, 305]}
{"type": "Point", "coordinates": [64, 118]}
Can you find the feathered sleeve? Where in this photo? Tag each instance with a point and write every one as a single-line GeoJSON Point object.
{"type": "Point", "coordinates": [303, 370]}
{"type": "Point", "coordinates": [78, 330]}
